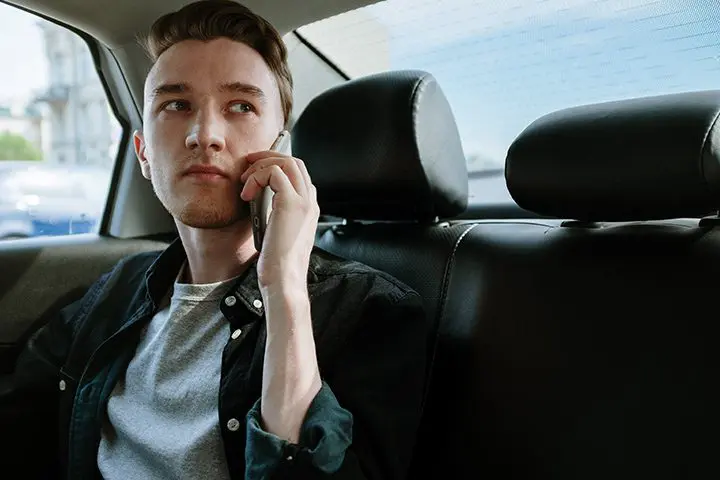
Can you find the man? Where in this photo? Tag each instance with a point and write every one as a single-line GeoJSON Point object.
{"type": "Point", "coordinates": [210, 360]}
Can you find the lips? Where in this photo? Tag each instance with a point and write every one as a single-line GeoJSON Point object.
{"type": "Point", "coordinates": [205, 170]}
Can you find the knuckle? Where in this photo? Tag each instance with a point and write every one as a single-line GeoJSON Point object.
{"type": "Point", "coordinates": [308, 208]}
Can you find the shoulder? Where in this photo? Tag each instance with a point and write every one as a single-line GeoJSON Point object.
{"type": "Point", "coordinates": [327, 268]}
{"type": "Point", "coordinates": [132, 269]}
{"type": "Point", "coordinates": [359, 311]}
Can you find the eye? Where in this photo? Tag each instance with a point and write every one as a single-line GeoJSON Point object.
{"type": "Point", "coordinates": [176, 105]}
{"type": "Point", "coordinates": [241, 107]}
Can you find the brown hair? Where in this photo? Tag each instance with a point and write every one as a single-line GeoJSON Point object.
{"type": "Point", "coordinates": [210, 19]}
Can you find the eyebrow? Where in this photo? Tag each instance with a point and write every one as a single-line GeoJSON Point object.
{"type": "Point", "coordinates": [233, 87]}
{"type": "Point", "coordinates": [239, 87]}
{"type": "Point", "coordinates": [169, 88]}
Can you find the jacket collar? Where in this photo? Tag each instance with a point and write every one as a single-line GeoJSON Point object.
{"type": "Point", "coordinates": [161, 275]}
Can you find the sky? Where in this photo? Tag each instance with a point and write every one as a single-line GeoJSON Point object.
{"type": "Point", "coordinates": [501, 63]}
{"type": "Point", "coordinates": [21, 53]}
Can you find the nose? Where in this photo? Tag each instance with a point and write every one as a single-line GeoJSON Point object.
{"type": "Point", "coordinates": [207, 131]}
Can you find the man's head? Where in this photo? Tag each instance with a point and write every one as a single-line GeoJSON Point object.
{"type": "Point", "coordinates": [219, 88]}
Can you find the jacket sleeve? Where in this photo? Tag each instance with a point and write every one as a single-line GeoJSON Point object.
{"type": "Point", "coordinates": [29, 397]}
{"type": "Point", "coordinates": [362, 424]}
{"type": "Point", "coordinates": [324, 437]}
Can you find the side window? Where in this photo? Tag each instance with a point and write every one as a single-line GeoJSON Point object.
{"type": "Point", "coordinates": [58, 135]}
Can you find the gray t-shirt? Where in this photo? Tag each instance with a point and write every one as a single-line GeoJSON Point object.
{"type": "Point", "coordinates": [162, 417]}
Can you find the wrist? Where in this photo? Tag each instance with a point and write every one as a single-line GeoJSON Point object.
{"type": "Point", "coordinates": [285, 277]}
{"type": "Point", "coordinates": [286, 300]}
{"type": "Point", "coordinates": [287, 289]}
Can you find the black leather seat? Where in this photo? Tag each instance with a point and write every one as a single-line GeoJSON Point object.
{"type": "Point", "coordinates": [577, 348]}
{"type": "Point", "coordinates": [587, 349]}
{"type": "Point", "coordinates": [385, 149]}
{"type": "Point", "coordinates": [361, 144]}
{"type": "Point", "coordinates": [596, 347]}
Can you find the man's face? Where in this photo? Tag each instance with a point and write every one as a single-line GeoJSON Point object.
{"type": "Point", "coordinates": [207, 105]}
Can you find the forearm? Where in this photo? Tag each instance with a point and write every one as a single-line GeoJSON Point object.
{"type": "Point", "coordinates": [291, 378]}
{"type": "Point", "coordinates": [378, 379]}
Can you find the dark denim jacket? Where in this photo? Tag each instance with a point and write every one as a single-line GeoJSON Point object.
{"type": "Point", "coordinates": [370, 334]}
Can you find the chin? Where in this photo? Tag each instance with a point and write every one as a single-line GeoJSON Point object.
{"type": "Point", "coordinates": [206, 220]}
{"type": "Point", "coordinates": [210, 214]}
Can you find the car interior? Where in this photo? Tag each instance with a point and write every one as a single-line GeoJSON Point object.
{"type": "Point", "coordinates": [572, 333]}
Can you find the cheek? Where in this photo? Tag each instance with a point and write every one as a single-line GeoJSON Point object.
{"type": "Point", "coordinates": [159, 150]}
{"type": "Point", "coordinates": [159, 138]}
{"type": "Point", "coordinates": [163, 133]}
{"type": "Point", "coordinates": [248, 137]}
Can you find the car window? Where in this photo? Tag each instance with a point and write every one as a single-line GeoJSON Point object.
{"type": "Point", "coordinates": [48, 183]}
{"type": "Point", "coordinates": [504, 63]}
{"type": "Point", "coordinates": [58, 135]}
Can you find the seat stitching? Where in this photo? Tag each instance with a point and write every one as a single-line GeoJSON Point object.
{"type": "Point", "coordinates": [441, 309]}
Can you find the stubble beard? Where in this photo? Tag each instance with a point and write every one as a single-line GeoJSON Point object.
{"type": "Point", "coordinates": [204, 211]}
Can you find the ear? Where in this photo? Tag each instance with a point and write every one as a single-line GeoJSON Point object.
{"type": "Point", "coordinates": [141, 153]}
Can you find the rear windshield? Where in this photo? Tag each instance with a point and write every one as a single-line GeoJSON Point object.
{"type": "Point", "coordinates": [503, 63]}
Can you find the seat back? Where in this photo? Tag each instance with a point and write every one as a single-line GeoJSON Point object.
{"type": "Point", "coordinates": [582, 347]}
{"type": "Point", "coordinates": [392, 175]}
{"type": "Point", "coordinates": [588, 348]}
{"type": "Point", "coordinates": [572, 353]}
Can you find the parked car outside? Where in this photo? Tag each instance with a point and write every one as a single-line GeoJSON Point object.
{"type": "Point", "coordinates": [37, 199]}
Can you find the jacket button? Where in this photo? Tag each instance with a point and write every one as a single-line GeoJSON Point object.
{"type": "Point", "coordinates": [236, 334]}
{"type": "Point", "coordinates": [233, 424]}
{"type": "Point", "coordinates": [62, 385]}
{"type": "Point", "coordinates": [230, 301]}
{"type": "Point", "coordinates": [257, 303]}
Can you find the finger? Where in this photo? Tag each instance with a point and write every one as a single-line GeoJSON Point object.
{"type": "Point", "coordinates": [287, 164]}
{"type": "Point", "coordinates": [252, 167]}
{"type": "Point", "coordinates": [312, 191]}
{"type": "Point", "coordinates": [303, 171]}
{"type": "Point", "coordinates": [255, 156]}
{"type": "Point", "coordinates": [273, 177]}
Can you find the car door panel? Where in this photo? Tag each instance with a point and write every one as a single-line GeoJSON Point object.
{"type": "Point", "coordinates": [40, 276]}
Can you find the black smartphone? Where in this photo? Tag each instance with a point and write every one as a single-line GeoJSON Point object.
{"type": "Point", "coordinates": [260, 207]}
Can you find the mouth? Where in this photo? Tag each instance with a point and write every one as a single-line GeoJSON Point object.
{"type": "Point", "coordinates": [205, 172]}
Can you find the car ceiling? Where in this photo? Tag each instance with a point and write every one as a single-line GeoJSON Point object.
{"type": "Point", "coordinates": [116, 23]}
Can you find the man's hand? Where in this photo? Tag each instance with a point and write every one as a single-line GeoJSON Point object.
{"type": "Point", "coordinates": [290, 234]}
{"type": "Point", "coordinates": [291, 378]}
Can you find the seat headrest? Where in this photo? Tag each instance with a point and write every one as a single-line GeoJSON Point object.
{"type": "Point", "coordinates": [643, 159]}
{"type": "Point", "coordinates": [384, 147]}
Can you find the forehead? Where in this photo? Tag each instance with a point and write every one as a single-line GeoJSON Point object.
{"type": "Point", "coordinates": [205, 65]}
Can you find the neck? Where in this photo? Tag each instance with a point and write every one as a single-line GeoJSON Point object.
{"type": "Point", "coordinates": [217, 254]}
